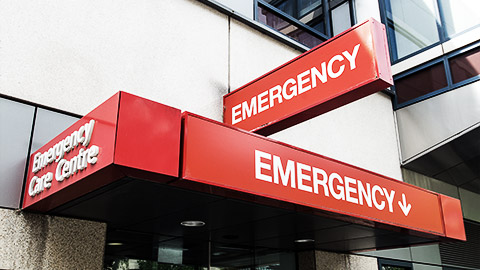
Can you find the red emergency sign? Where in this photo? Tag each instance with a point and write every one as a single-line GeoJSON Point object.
{"type": "Point", "coordinates": [131, 137]}
{"type": "Point", "coordinates": [114, 140]}
{"type": "Point", "coordinates": [219, 155]}
{"type": "Point", "coordinates": [343, 69]}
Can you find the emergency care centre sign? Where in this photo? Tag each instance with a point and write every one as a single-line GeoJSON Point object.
{"type": "Point", "coordinates": [343, 69]}
{"type": "Point", "coordinates": [221, 155]}
{"type": "Point", "coordinates": [112, 141]}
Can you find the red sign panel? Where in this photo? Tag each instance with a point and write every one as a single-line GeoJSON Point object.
{"type": "Point", "coordinates": [343, 69]}
{"type": "Point", "coordinates": [127, 132]}
{"type": "Point", "coordinates": [213, 155]}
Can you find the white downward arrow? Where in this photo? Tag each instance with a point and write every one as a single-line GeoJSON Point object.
{"type": "Point", "coordinates": [404, 206]}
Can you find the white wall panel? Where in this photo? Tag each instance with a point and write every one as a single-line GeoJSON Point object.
{"type": "Point", "coordinates": [431, 123]}
{"type": "Point", "coordinates": [253, 54]}
{"type": "Point", "coordinates": [72, 55]}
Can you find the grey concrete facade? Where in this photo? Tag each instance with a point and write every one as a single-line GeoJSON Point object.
{"type": "Point", "coordinates": [313, 260]}
{"type": "Point", "coordinates": [33, 241]}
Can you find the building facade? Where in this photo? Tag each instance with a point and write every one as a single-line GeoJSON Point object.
{"type": "Point", "coordinates": [62, 59]}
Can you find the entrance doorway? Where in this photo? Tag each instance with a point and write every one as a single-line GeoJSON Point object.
{"type": "Point", "coordinates": [204, 256]}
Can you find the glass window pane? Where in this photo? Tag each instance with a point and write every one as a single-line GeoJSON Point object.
{"type": "Point", "coordinates": [16, 127]}
{"type": "Point", "coordinates": [309, 10]}
{"type": "Point", "coordinates": [305, 6]}
{"type": "Point", "coordinates": [412, 25]}
{"type": "Point", "coordinates": [341, 18]}
{"type": "Point", "coordinates": [420, 83]}
{"type": "Point", "coordinates": [273, 20]}
{"type": "Point", "coordinates": [459, 15]}
{"type": "Point", "coordinates": [465, 66]}
{"type": "Point", "coordinates": [49, 124]}
{"type": "Point", "coordinates": [286, 6]}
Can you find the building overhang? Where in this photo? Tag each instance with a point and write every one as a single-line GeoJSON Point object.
{"type": "Point", "coordinates": [144, 168]}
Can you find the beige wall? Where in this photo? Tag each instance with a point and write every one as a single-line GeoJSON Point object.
{"type": "Point", "coordinates": [74, 55]}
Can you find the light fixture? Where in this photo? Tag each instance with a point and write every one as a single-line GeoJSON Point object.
{"type": "Point", "coordinates": [115, 244]}
{"type": "Point", "coordinates": [304, 241]}
{"type": "Point", "coordinates": [192, 223]}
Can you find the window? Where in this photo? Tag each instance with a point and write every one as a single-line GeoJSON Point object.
{"type": "Point", "coordinates": [416, 25]}
{"type": "Point", "coordinates": [465, 65]}
{"type": "Point", "coordinates": [17, 143]}
{"type": "Point", "coordinates": [412, 26]}
{"type": "Point", "coordinates": [446, 73]}
{"type": "Point", "coordinates": [421, 83]}
{"type": "Point", "coordinates": [288, 27]}
{"type": "Point", "coordinates": [16, 121]}
{"type": "Point", "coordinates": [310, 22]}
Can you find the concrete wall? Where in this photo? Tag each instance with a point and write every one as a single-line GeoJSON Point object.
{"type": "Point", "coordinates": [73, 55]}
{"type": "Point", "coordinates": [316, 260]}
{"type": "Point", "coordinates": [32, 241]}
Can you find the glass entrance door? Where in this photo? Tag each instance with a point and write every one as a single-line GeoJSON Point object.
{"type": "Point", "coordinates": [204, 256]}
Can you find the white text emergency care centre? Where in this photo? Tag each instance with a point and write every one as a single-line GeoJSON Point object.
{"type": "Point", "coordinates": [296, 85]}
{"type": "Point", "coordinates": [65, 168]}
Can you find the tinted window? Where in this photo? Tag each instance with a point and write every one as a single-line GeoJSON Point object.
{"type": "Point", "coordinates": [420, 83]}
{"type": "Point", "coordinates": [275, 21]}
{"type": "Point", "coordinates": [16, 127]}
{"type": "Point", "coordinates": [49, 124]}
{"type": "Point", "coordinates": [465, 66]}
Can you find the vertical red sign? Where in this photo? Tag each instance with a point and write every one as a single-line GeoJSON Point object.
{"type": "Point", "coordinates": [343, 69]}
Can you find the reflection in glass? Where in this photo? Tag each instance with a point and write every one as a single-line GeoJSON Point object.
{"type": "Point", "coordinates": [308, 21]}
{"type": "Point", "coordinates": [16, 127]}
{"type": "Point", "coordinates": [412, 25]}
{"type": "Point", "coordinates": [459, 15]}
{"type": "Point", "coordinates": [420, 83]}
{"type": "Point", "coordinates": [465, 66]}
{"type": "Point", "coordinates": [273, 20]}
{"type": "Point", "coordinates": [49, 124]}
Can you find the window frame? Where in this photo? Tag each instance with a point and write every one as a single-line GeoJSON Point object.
{"type": "Point", "coordinates": [441, 30]}
{"type": "Point", "coordinates": [446, 65]}
{"type": "Point", "coordinates": [326, 17]}
{"type": "Point", "coordinates": [30, 143]}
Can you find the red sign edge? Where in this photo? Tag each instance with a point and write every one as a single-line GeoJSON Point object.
{"type": "Point", "coordinates": [383, 79]}
{"type": "Point", "coordinates": [135, 168]}
{"type": "Point", "coordinates": [452, 232]}
{"type": "Point", "coordinates": [452, 217]}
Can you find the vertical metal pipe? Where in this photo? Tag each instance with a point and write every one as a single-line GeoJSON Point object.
{"type": "Point", "coordinates": [326, 17]}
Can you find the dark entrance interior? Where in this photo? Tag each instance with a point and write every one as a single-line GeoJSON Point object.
{"type": "Point", "coordinates": [144, 221]}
